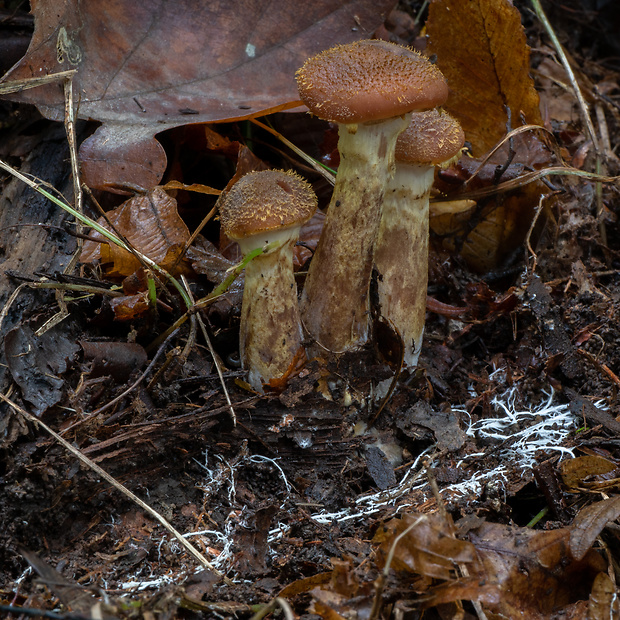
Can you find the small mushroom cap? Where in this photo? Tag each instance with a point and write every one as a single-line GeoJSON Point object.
{"type": "Point", "coordinates": [432, 137]}
{"type": "Point", "coordinates": [369, 81]}
{"type": "Point", "coordinates": [265, 201]}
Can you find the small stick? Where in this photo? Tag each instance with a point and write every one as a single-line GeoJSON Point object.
{"type": "Point", "coordinates": [17, 86]}
{"type": "Point", "coordinates": [119, 487]}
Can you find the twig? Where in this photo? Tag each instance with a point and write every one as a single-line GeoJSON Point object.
{"type": "Point", "coordinates": [529, 234]}
{"type": "Point", "coordinates": [205, 335]}
{"type": "Point", "coordinates": [118, 486]}
{"type": "Point", "coordinates": [510, 136]}
{"type": "Point", "coordinates": [583, 106]}
{"type": "Point", "coordinates": [276, 602]}
{"type": "Point", "coordinates": [380, 581]}
{"type": "Point", "coordinates": [535, 175]}
{"type": "Point", "coordinates": [75, 170]}
{"type": "Point", "coordinates": [17, 86]}
{"type": "Point", "coordinates": [320, 168]}
{"type": "Point", "coordinates": [63, 311]}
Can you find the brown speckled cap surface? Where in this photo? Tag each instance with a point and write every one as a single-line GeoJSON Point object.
{"type": "Point", "coordinates": [369, 81]}
{"type": "Point", "coordinates": [268, 200]}
{"type": "Point", "coordinates": [432, 137]}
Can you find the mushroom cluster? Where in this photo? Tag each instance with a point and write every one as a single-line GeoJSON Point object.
{"type": "Point", "coordinates": [384, 98]}
{"type": "Point", "coordinates": [369, 88]}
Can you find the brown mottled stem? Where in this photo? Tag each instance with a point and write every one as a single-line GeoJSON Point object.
{"type": "Point", "coordinates": [334, 302]}
{"type": "Point", "coordinates": [270, 334]}
{"type": "Point", "coordinates": [266, 210]}
{"type": "Point", "coordinates": [401, 254]}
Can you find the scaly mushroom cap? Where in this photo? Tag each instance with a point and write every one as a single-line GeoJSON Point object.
{"type": "Point", "coordinates": [369, 81]}
{"type": "Point", "coordinates": [432, 137]}
{"type": "Point", "coordinates": [270, 200]}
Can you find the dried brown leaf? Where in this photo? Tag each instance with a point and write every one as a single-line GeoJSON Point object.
{"type": "Point", "coordinates": [143, 67]}
{"type": "Point", "coordinates": [152, 226]}
{"type": "Point", "coordinates": [589, 523]}
{"type": "Point", "coordinates": [482, 51]}
{"type": "Point", "coordinates": [574, 471]}
{"type": "Point", "coordinates": [534, 570]}
{"type": "Point", "coordinates": [427, 548]}
{"type": "Point", "coordinates": [131, 307]}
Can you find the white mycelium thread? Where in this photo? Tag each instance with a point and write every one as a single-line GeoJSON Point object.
{"type": "Point", "coordinates": [521, 435]}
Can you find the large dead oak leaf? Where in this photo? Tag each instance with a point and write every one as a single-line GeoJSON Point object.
{"type": "Point", "coordinates": [482, 51]}
{"type": "Point", "coordinates": [143, 67]}
{"type": "Point", "coordinates": [481, 48]}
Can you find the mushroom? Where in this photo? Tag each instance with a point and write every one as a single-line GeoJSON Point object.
{"type": "Point", "coordinates": [266, 210]}
{"type": "Point", "coordinates": [368, 88]}
{"type": "Point", "coordinates": [401, 251]}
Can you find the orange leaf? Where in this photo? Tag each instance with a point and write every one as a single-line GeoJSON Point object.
{"type": "Point", "coordinates": [152, 226]}
{"type": "Point", "coordinates": [482, 51]}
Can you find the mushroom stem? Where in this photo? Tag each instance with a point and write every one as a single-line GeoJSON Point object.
{"type": "Point", "coordinates": [266, 210]}
{"type": "Point", "coordinates": [334, 303]}
{"type": "Point", "coordinates": [401, 255]}
{"type": "Point", "coordinates": [270, 315]}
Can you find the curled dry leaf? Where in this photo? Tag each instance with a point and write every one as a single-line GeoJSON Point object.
{"type": "Point", "coordinates": [143, 67]}
{"type": "Point", "coordinates": [481, 49]}
{"type": "Point", "coordinates": [428, 548]}
{"type": "Point", "coordinates": [575, 471]}
{"type": "Point", "coordinates": [589, 523]}
{"type": "Point", "coordinates": [150, 223]}
{"type": "Point", "coordinates": [131, 307]}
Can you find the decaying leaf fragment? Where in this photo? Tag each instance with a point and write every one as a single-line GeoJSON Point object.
{"type": "Point", "coordinates": [589, 471]}
{"type": "Point", "coordinates": [604, 602]}
{"type": "Point", "coordinates": [534, 570]}
{"type": "Point", "coordinates": [590, 522]}
{"type": "Point", "coordinates": [427, 548]}
{"type": "Point", "coordinates": [512, 572]}
{"type": "Point", "coordinates": [151, 224]}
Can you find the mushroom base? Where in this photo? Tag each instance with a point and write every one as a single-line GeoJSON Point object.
{"type": "Point", "coordinates": [270, 334]}
{"type": "Point", "coordinates": [334, 304]}
{"type": "Point", "coordinates": [401, 255]}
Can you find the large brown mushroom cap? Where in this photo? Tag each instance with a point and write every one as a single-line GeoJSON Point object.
{"type": "Point", "coordinates": [369, 81]}
{"type": "Point", "coordinates": [266, 201]}
{"type": "Point", "coordinates": [432, 137]}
